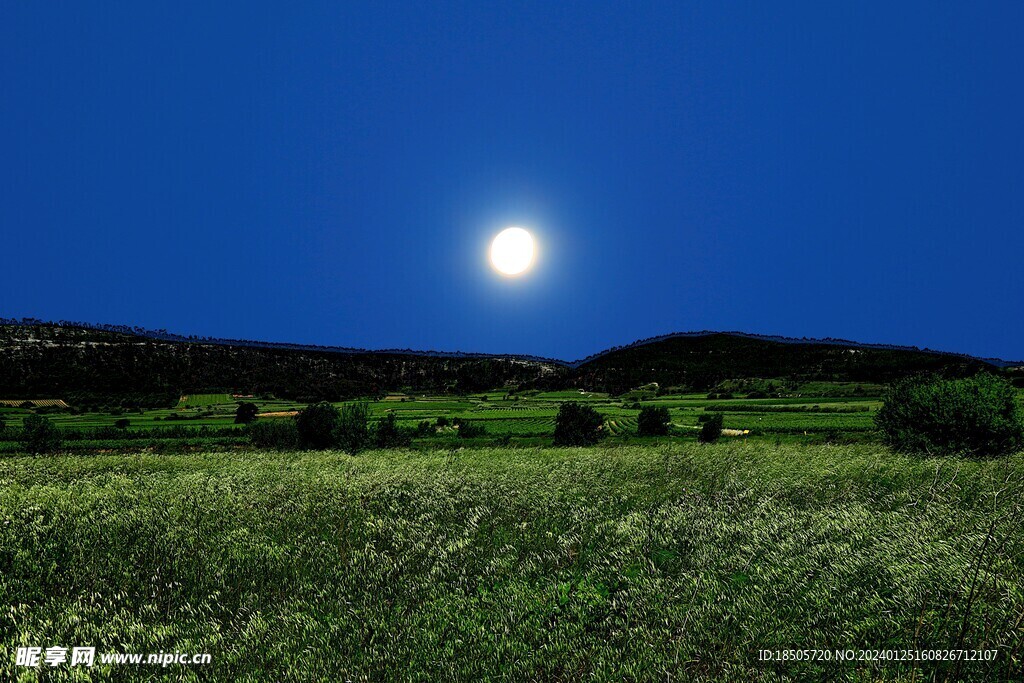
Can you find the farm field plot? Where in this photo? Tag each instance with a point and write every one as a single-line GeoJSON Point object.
{"type": "Point", "coordinates": [702, 400]}
{"type": "Point", "coordinates": [34, 403]}
{"type": "Point", "coordinates": [193, 400]}
{"type": "Point", "coordinates": [621, 425]}
{"type": "Point", "coordinates": [769, 423]}
{"type": "Point", "coordinates": [559, 396]}
{"type": "Point", "coordinates": [522, 426]}
{"type": "Point", "coordinates": [672, 562]}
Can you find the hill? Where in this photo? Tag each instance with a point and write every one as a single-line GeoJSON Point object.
{"type": "Point", "coordinates": [701, 360]}
{"type": "Point", "coordinates": [86, 363]}
{"type": "Point", "coordinates": [89, 364]}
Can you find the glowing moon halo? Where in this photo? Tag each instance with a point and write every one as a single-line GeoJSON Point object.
{"type": "Point", "coordinates": [512, 251]}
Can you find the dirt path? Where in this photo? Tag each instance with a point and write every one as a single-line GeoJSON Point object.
{"type": "Point", "coordinates": [725, 432]}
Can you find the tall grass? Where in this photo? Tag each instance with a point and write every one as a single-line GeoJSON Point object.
{"type": "Point", "coordinates": [625, 563]}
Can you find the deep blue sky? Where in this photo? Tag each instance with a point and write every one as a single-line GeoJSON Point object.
{"type": "Point", "coordinates": [333, 173]}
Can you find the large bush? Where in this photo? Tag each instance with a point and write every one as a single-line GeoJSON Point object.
{"type": "Point", "coordinates": [273, 433]}
{"type": "Point", "coordinates": [39, 435]}
{"type": "Point", "coordinates": [317, 425]}
{"type": "Point", "coordinates": [469, 429]}
{"type": "Point", "coordinates": [653, 421]}
{"type": "Point", "coordinates": [353, 432]}
{"type": "Point", "coordinates": [246, 413]}
{"type": "Point", "coordinates": [578, 425]}
{"type": "Point", "coordinates": [711, 429]}
{"type": "Point", "coordinates": [973, 416]}
{"type": "Point", "coordinates": [389, 435]}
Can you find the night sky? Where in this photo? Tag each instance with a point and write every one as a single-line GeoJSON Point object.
{"type": "Point", "coordinates": [333, 173]}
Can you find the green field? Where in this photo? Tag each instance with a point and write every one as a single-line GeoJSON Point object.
{"type": "Point", "coordinates": [835, 413]}
{"type": "Point", "coordinates": [199, 400]}
{"type": "Point", "coordinates": [832, 414]}
{"type": "Point", "coordinates": [637, 563]}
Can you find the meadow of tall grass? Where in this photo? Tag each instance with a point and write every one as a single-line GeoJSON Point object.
{"type": "Point", "coordinates": [673, 562]}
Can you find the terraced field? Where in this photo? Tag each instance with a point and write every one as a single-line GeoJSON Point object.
{"type": "Point", "coordinates": [528, 416]}
{"type": "Point", "coordinates": [34, 402]}
{"type": "Point", "coordinates": [620, 426]}
{"type": "Point", "coordinates": [193, 400]}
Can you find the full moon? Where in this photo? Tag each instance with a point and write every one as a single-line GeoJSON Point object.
{"type": "Point", "coordinates": [512, 251]}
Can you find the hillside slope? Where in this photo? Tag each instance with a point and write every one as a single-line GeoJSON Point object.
{"type": "Point", "coordinates": [47, 360]}
{"type": "Point", "coordinates": [699, 361]}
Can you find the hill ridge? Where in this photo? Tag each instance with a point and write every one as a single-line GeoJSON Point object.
{"type": "Point", "coordinates": [164, 335]}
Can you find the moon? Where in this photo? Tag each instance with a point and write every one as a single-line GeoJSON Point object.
{"type": "Point", "coordinates": [512, 251]}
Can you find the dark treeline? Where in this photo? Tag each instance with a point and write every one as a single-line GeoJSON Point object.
{"type": "Point", "coordinates": [699, 362]}
{"type": "Point", "coordinates": [104, 366]}
{"type": "Point", "coordinates": [89, 366]}
{"type": "Point", "coordinates": [164, 335]}
{"type": "Point", "coordinates": [824, 341]}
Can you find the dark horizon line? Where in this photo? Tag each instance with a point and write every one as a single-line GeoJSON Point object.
{"type": "Point", "coordinates": [164, 335]}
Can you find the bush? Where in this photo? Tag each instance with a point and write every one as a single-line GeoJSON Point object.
{"type": "Point", "coordinates": [273, 434]}
{"type": "Point", "coordinates": [468, 429]}
{"type": "Point", "coordinates": [442, 421]}
{"type": "Point", "coordinates": [711, 430]}
{"type": "Point", "coordinates": [389, 435]}
{"type": "Point", "coordinates": [424, 428]}
{"type": "Point", "coordinates": [653, 421]}
{"type": "Point", "coordinates": [353, 432]}
{"type": "Point", "coordinates": [317, 425]}
{"type": "Point", "coordinates": [972, 416]}
{"type": "Point", "coordinates": [123, 423]}
{"type": "Point", "coordinates": [578, 425]}
{"type": "Point", "coordinates": [39, 435]}
{"type": "Point", "coordinates": [246, 413]}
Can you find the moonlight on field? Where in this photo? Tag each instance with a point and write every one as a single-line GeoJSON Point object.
{"type": "Point", "coordinates": [512, 251]}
